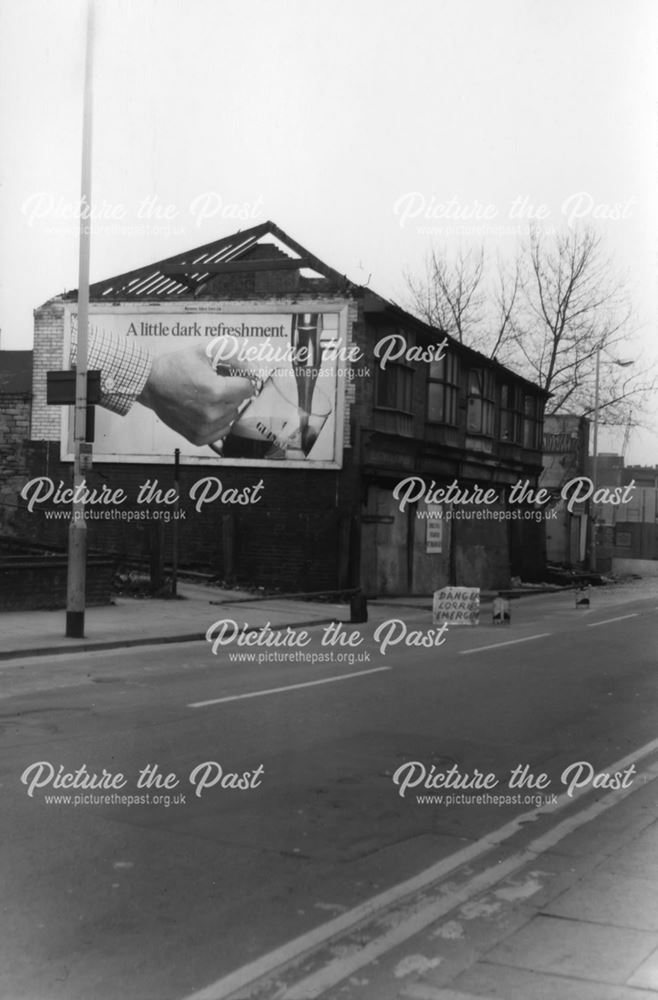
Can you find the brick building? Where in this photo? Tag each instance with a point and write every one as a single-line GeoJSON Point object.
{"type": "Point", "coordinates": [405, 410]}
{"type": "Point", "coordinates": [628, 534]}
{"type": "Point", "coordinates": [15, 409]}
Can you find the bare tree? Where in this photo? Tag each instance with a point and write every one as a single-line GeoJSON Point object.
{"type": "Point", "coordinates": [450, 295]}
{"type": "Point", "coordinates": [505, 297]}
{"type": "Point", "coordinates": [456, 296]}
{"type": "Point", "coordinates": [574, 307]}
{"type": "Point", "coordinates": [547, 315]}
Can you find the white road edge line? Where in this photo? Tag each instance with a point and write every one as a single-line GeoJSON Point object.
{"type": "Point", "coordinates": [248, 975]}
{"type": "Point", "coordinates": [607, 621]}
{"type": "Point", "coordinates": [288, 687]}
{"type": "Point", "coordinates": [510, 642]}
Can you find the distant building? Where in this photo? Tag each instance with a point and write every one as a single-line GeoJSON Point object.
{"type": "Point", "coordinates": [645, 476]}
{"type": "Point", "coordinates": [628, 532]}
{"type": "Point", "coordinates": [625, 531]}
{"type": "Point", "coordinates": [609, 469]}
{"type": "Point", "coordinates": [565, 445]}
{"type": "Point", "coordinates": [327, 517]}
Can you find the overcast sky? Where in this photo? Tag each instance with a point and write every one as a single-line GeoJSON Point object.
{"type": "Point", "coordinates": [346, 123]}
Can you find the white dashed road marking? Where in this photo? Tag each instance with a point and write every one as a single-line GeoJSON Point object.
{"type": "Point", "coordinates": [510, 642]}
{"type": "Point", "coordinates": [287, 687]}
{"type": "Point", "coordinates": [607, 621]}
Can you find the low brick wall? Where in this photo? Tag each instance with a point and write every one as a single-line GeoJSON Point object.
{"type": "Point", "coordinates": [39, 584]}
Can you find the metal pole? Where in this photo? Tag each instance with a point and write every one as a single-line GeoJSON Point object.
{"type": "Point", "coordinates": [77, 562]}
{"type": "Point", "coordinates": [595, 461]}
{"type": "Point", "coordinates": [174, 558]}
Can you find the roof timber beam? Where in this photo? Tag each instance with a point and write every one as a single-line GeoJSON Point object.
{"type": "Point", "coordinates": [233, 267]}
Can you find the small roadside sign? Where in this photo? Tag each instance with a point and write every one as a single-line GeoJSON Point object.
{"type": "Point", "coordinates": [501, 611]}
{"type": "Point", "coordinates": [456, 606]}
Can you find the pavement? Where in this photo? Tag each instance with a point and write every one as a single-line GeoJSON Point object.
{"type": "Point", "coordinates": [145, 621]}
{"type": "Point", "coordinates": [578, 921]}
{"type": "Point", "coordinates": [569, 914]}
{"type": "Point", "coordinates": [141, 622]}
{"type": "Point", "coordinates": [566, 908]}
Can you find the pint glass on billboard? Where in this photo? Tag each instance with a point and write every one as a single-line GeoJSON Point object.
{"type": "Point", "coordinates": [285, 417]}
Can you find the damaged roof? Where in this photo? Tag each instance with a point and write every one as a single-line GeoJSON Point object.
{"type": "Point", "coordinates": [256, 262]}
{"type": "Point", "coordinates": [263, 248]}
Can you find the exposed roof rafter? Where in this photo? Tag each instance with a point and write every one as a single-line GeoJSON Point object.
{"type": "Point", "coordinates": [185, 273]}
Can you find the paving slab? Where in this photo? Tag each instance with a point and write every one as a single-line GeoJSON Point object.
{"type": "Point", "coordinates": [646, 976]}
{"type": "Point", "coordinates": [611, 898]}
{"type": "Point", "coordinates": [491, 981]}
{"type": "Point", "coordinates": [576, 949]}
{"type": "Point", "coordinates": [639, 857]}
{"type": "Point", "coordinates": [597, 842]}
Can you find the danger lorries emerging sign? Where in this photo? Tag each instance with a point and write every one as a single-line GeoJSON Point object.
{"type": "Point", "coordinates": [456, 606]}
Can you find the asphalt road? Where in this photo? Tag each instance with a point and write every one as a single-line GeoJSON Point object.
{"type": "Point", "coordinates": [150, 900]}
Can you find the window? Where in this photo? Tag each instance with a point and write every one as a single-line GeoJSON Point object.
{"type": "Point", "coordinates": [394, 389]}
{"type": "Point", "coordinates": [481, 409]}
{"type": "Point", "coordinates": [531, 413]}
{"type": "Point", "coordinates": [511, 414]}
{"type": "Point", "coordinates": [443, 391]}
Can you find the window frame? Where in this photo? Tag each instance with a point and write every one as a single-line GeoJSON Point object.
{"type": "Point", "coordinates": [531, 422]}
{"type": "Point", "coordinates": [486, 397]}
{"type": "Point", "coordinates": [449, 381]}
{"type": "Point", "coordinates": [513, 410]}
{"type": "Point", "coordinates": [398, 368]}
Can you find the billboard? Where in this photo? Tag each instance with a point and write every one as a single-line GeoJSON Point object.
{"type": "Point", "coordinates": [296, 358]}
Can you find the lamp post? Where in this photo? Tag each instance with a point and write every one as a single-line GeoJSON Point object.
{"type": "Point", "coordinates": [77, 553]}
{"type": "Point", "coordinates": [595, 453]}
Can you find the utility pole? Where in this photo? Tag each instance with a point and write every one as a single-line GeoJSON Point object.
{"type": "Point", "coordinates": [595, 463]}
{"type": "Point", "coordinates": [595, 452]}
{"type": "Point", "coordinates": [77, 560]}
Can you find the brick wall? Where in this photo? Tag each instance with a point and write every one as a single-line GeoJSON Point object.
{"type": "Point", "coordinates": [14, 435]}
{"type": "Point", "coordinates": [48, 355]}
{"type": "Point", "coordinates": [41, 584]}
{"type": "Point", "coordinates": [289, 540]}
